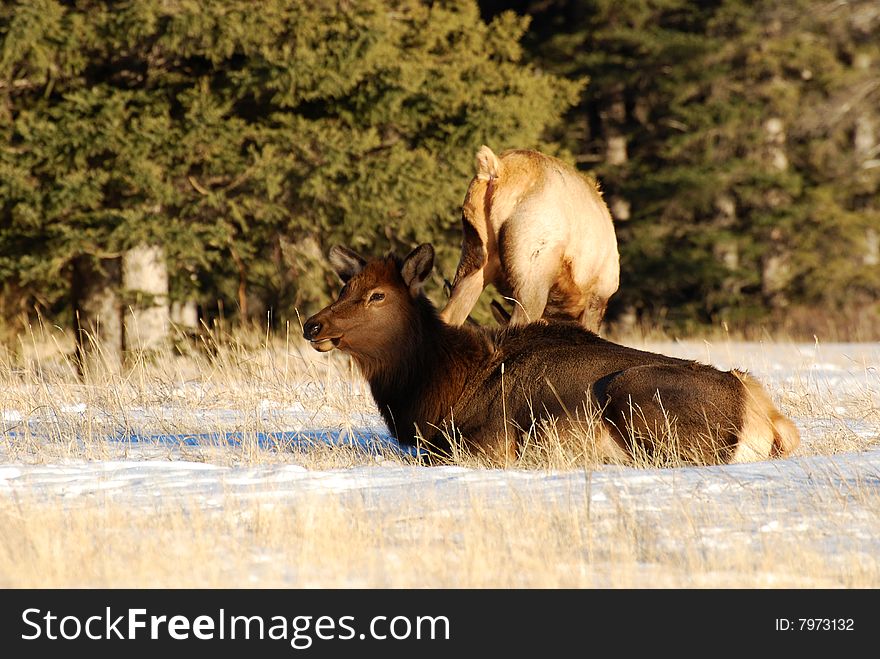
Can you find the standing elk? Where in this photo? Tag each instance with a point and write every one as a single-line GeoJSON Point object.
{"type": "Point", "coordinates": [433, 381]}
{"type": "Point", "coordinates": [541, 233]}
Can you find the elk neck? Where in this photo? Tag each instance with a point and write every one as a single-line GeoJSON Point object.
{"type": "Point", "coordinates": [420, 381]}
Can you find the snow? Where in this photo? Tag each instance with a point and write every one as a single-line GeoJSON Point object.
{"type": "Point", "coordinates": [737, 508]}
{"type": "Point", "coordinates": [741, 505]}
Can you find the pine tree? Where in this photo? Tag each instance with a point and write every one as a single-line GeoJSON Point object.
{"type": "Point", "coordinates": [771, 134]}
{"type": "Point", "coordinates": [243, 138]}
{"type": "Point", "coordinates": [737, 145]}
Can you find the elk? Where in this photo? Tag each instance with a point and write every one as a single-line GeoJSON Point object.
{"type": "Point", "coordinates": [541, 233]}
{"type": "Point", "coordinates": [435, 383]}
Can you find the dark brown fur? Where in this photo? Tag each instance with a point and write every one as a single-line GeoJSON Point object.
{"type": "Point", "coordinates": [487, 388]}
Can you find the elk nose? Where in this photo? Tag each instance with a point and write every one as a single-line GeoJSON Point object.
{"type": "Point", "coordinates": [311, 329]}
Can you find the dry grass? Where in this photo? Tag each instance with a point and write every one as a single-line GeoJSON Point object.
{"type": "Point", "coordinates": [250, 382]}
{"type": "Point", "coordinates": [328, 541]}
{"type": "Point", "coordinates": [253, 383]}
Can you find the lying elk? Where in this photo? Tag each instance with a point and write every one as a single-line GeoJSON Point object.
{"type": "Point", "coordinates": [540, 232]}
{"type": "Point", "coordinates": [486, 387]}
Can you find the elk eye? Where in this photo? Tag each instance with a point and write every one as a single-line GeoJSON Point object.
{"type": "Point", "coordinates": [377, 297]}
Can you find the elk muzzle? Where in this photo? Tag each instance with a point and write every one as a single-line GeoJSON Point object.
{"type": "Point", "coordinates": [315, 332]}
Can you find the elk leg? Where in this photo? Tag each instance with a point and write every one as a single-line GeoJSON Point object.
{"type": "Point", "coordinates": [492, 442]}
{"type": "Point", "coordinates": [665, 410]}
{"type": "Point", "coordinates": [464, 296]}
{"type": "Point", "coordinates": [593, 313]}
{"type": "Point", "coordinates": [532, 280]}
{"type": "Point", "coordinates": [470, 276]}
{"type": "Point", "coordinates": [499, 313]}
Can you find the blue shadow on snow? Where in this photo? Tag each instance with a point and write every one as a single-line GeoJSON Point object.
{"type": "Point", "coordinates": [369, 441]}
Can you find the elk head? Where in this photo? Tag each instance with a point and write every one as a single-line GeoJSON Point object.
{"type": "Point", "coordinates": [373, 314]}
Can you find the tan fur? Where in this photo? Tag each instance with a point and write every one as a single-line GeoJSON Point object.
{"type": "Point", "coordinates": [488, 165]}
{"type": "Point", "coordinates": [542, 234]}
{"type": "Point", "coordinates": [765, 432]}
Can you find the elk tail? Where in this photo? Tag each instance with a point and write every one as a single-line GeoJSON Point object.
{"type": "Point", "coordinates": [786, 436]}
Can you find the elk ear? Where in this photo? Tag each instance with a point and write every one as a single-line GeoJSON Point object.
{"type": "Point", "coordinates": [488, 165]}
{"type": "Point", "coordinates": [345, 262]}
{"type": "Point", "coordinates": [416, 268]}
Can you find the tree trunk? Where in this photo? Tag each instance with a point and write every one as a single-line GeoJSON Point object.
{"type": "Point", "coordinates": [865, 137]}
{"type": "Point", "coordinates": [145, 282]}
{"type": "Point", "coordinates": [872, 247]}
{"type": "Point", "coordinates": [613, 118]}
{"type": "Point", "coordinates": [775, 278]}
{"type": "Point", "coordinates": [242, 286]}
{"type": "Point", "coordinates": [97, 316]}
{"type": "Point", "coordinates": [727, 250]}
{"type": "Point", "coordinates": [774, 133]}
{"type": "Point", "coordinates": [865, 144]}
{"type": "Point", "coordinates": [185, 315]}
{"type": "Point", "coordinates": [775, 266]}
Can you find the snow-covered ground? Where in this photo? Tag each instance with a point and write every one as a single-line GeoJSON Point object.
{"type": "Point", "coordinates": [828, 493]}
{"type": "Point", "coordinates": [778, 493]}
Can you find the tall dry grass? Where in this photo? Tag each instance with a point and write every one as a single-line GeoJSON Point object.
{"type": "Point", "coordinates": [327, 541]}
{"type": "Point", "coordinates": [255, 381]}
{"type": "Point", "coordinates": [250, 382]}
